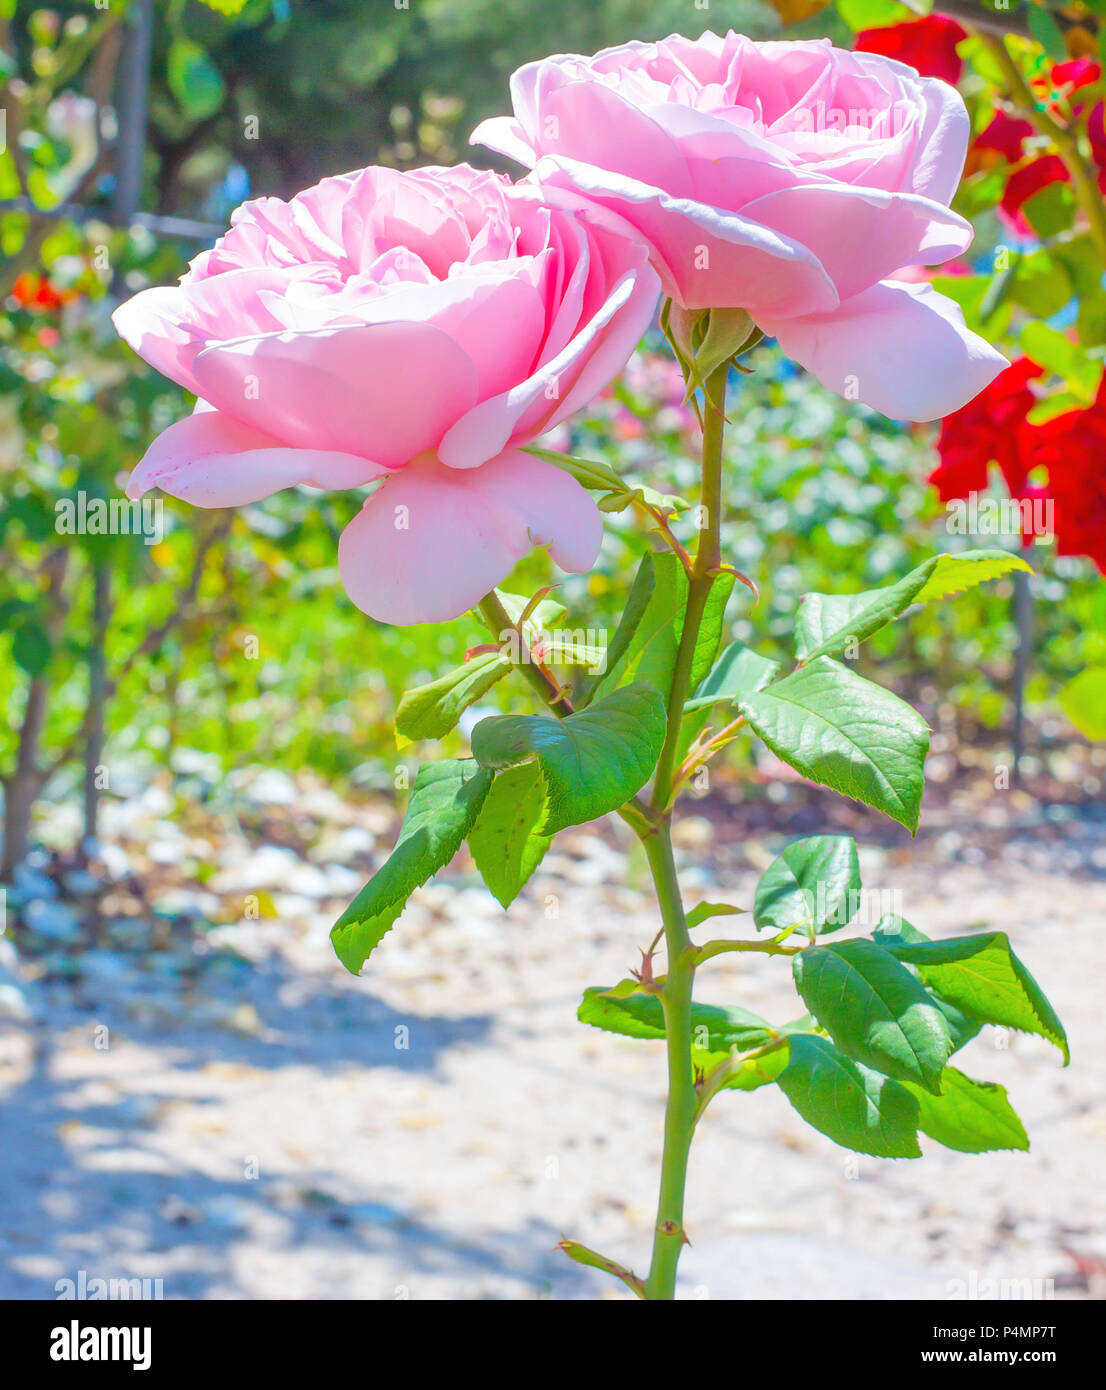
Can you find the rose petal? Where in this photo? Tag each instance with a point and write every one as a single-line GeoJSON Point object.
{"type": "Point", "coordinates": [902, 349]}
{"type": "Point", "coordinates": [431, 541]}
{"type": "Point", "coordinates": [383, 391]}
{"type": "Point", "coordinates": [212, 460]}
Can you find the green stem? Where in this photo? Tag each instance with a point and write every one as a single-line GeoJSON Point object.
{"type": "Point", "coordinates": [680, 1107]}
{"type": "Point", "coordinates": [682, 1103]}
{"type": "Point", "coordinates": [708, 558]}
{"type": "Point", "coordinates": [499, 621]}
{"type": "Point", "coordinates": [719, 948]}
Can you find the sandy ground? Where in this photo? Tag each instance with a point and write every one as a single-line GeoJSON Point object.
{"type": "Point", "coordinates": [240, 1119]}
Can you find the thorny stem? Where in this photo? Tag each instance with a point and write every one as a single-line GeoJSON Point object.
{"type": "Point", "coordinates": [708, 559]}
{"type": "Point", "coordinates": [679, 1113]}
{"type": "Point", "coordinates": [682, 1103]}
{"type": "Point", "coordinates": [1066, 140]}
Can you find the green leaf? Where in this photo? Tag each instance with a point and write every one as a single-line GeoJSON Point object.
{"type": "Point", "coordinates": [739, 671]}
{"type": "Point", "coordinates": [583, 1256]}
{"type": "Point", "coordinates": [591, 763]}
{"type": "Point", "coordinates": [982, 976]}
{"type": "Point", "coordinates": [545, 613]}
{"type": "Point", "coordinates": [1083, 700]}
{"type": "Point", "coordinates": [504, 842]}
{"type": "Point", "coordinates": [637, 1015]}
{"type": "Point", "coordinates": [445, 801]}
{"type": "Point", "coordinates": [872, 14]}
{"type": "Point", "coordinates": [709, 637]}
{"type": "Point", "coordinates": [600, 477]}
{"type": "Point", "coordinates": [846, 733]}
{"type": "Point", "coordinates": [855, 1107]}
{"type": "Point", "coordinates": [430, 711]}
{"type": "Point", "coordinates": [702, 912]}
{"type": "Point", "coordinates": [826, 623]}
{"type": "Point", "coordinates": [31, 649]}
{"type": "Point", "coordinates": [1047, 32]}
{"type": "Point", "coordinates": [194, 80]}
{"type": "Point", "coordinates": [893, 931]}
{"type": "Point", "coordinates": [955, 573]}
{"type": "Point", "coordinates": [650, 652]}
{"type": "Point", "coordinates": [1050, 211]}
{"type": "Point", "coordinates": [815, 881]}
{"type": "Point", "coordinates": [875, 1010]}
{"type": "Point", "coordinates": [753, 1073]}
{"type": "Point", "coordinates": [973, 1117]}
{"type": "Point", "coordinates": [637, 604]}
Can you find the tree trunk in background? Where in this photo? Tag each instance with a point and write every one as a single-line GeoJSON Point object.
{"type": "Point", "coordinates": [97, 696]}
{"type": "Point", "coordinates": [1023, 618]}
{"type": "Point", "coordinates": [23, 786]}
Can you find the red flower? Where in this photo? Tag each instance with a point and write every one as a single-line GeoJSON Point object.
{"type": "Point", "coordinates": [1007, 135]}
{"type": "Point", "coordinates": [1072, 447]}
{"type": "Point", "coordinates": [928, 44]}
{"type": "Point", "coordinates": [1075, 73]}
{"type": "Point", "coordinates": [989, 429]}
{"type": "Point", "coordinates": [35, 292]}
{"type": "Point", "coordinates": [1026, 181]}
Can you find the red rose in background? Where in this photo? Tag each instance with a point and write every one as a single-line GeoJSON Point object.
{"type": "Point", "coordinates": [1006, 134]}
{"type": "Point", "coordinates": [35, 292]}
{"type": "Point", "coordinates": [1025, 182]}
{"type": "Point", "coordinates": [990, 429]}
{"type": "Point", "coordinates": [1072, 447]}
{"type": "Point", "coordinates": [928, 44]}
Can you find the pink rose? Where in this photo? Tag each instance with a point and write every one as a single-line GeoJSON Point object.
{"type": "Point", "coordinates": [786, 179]}
{"type": "Point", "coordinates": [412, 327]}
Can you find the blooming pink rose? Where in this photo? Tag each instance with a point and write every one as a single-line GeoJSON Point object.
{"type": "Point", "coordinates": [787, 179]}
{"type": "Point", "coordinates": [412, 327]}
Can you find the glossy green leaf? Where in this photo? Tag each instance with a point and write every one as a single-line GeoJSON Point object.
{"type": "Point", "coordinates": [875, 1010]}
{"type": "Point", "coordinates": [638, 1015]}
{"type": "Point", "coordinates": [982, 976]}
{"type": "Point", "coordinates": [702, 912]}
{"type": "Point", "coordinates": [893, 931]}
{"type": "Point", "coordinates": [858, 1108]}
{"type": "Point", "coordinates": [827, 623]}
{"type": "Point", "coordinates": [814, 882]}
{"type": "Point", "coordinates": [505, 844]}
{"type": "Point", "coordinates": [591, 763]}
{"type": "Point", "coordinates": [972, 1117]}
{"type": "Point", "coordinates": [430, 711]}
{"type": "Point", "coordinates": [847, 733]}
{"type": "Point", "coordinates": [738, 671]}
{"type": "Point", "coordinates": [952, 574]}
{"type": "Point", "coordinates": [711, 628]}
{"type": "Point", "coordinates": [445, 801]}
{"type": "Point", "coordinates": [649, 653]}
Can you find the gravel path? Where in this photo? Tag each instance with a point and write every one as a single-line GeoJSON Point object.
{"type": "Point", "coordinates": [250, 1122]}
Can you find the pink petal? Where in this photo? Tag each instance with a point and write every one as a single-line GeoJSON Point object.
{"type": "Point", "coordinates": [431, 541]}
{"type": "Point", "coordinates": [383, 391]}
{"type": "Point", "coordinates": [592, 359]}
{"type": "Point", "coordinates": [212, 460]}
{"type": "Point", "coordinates": [902, 349]}
{"type": "Point", "coordinates": [861, 235]}
{"type": "Point", "coordinates": [704, 255]}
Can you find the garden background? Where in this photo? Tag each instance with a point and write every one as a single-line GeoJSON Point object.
{"type": "Point", "coordinates": [199, 765]}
